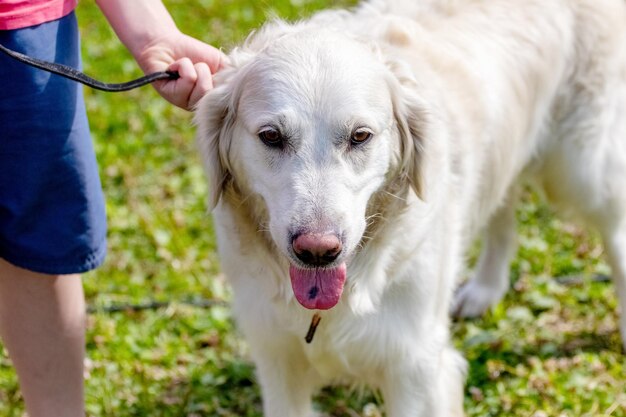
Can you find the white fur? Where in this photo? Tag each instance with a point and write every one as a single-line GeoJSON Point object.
{"type": "Point", "coordinates": [465, 99]}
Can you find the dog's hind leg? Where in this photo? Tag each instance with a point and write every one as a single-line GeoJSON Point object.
{"type": "Point", "coordinates": [491, 277]}
{"type": "Point", "coordinates": [615, 246]}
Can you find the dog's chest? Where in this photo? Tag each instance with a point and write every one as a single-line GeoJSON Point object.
{"type": "Point", "coordinates": [328, 363]}
{"type": "Point", "coordinates": [337, 356]}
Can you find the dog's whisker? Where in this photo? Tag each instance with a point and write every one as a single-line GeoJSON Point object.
{"type": "Point", "coordinates": [373, 219]}
{"type": "Point", "coordinates": [263, 228]}
{"type": "Point", "coordinates": [389, 193]}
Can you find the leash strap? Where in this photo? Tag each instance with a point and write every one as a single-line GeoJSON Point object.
{"type": "Point", "coordinates": [75, 75]}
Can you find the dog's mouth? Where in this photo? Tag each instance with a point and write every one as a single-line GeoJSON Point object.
{"type": "Point", "coordinates": [318, 288]}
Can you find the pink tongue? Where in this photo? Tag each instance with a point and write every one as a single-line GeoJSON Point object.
{"type": "Point", "coordinates": [318, 288]}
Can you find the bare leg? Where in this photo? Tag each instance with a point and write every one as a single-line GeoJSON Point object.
{"type": "Point", "coordinates": [42, 324]}
{"type": "Point", "coordinates": [491, 279]}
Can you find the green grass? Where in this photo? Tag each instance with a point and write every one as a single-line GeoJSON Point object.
{"type": "Point", "coordinates": [549, 349]}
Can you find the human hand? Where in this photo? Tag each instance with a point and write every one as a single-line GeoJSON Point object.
{"type": "Point", "coordinates": [194, 60]}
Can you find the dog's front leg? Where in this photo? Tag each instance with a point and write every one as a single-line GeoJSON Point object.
{"type": "Point", "coordinates": [431, 388]}
{"type": "Point", "coordinates": [287, 381]}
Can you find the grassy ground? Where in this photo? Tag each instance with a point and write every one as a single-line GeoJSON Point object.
{"type": "Point", "coordinates": [551, 349]}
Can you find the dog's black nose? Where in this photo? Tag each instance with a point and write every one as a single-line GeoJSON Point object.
{"type": "Point", "coordinates": [317, 249]}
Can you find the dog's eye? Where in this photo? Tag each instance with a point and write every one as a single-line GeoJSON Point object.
{"type": "Point", "coordinates": [271, 137]}
{"type": "Point", "coordinates": [360, 136]}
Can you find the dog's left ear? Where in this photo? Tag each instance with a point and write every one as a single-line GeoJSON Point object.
{"type": "Point", "coordinates": [410, 121]}
{"type": "Point", "coordinates": [215, 116]}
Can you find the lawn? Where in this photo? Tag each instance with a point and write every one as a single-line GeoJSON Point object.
{"type": "Point", "coordinates": [161, 340]}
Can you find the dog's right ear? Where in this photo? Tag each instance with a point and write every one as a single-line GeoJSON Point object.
{"type": "Point", "coordinates": [216, 112]}
{"type": "Point", "coordinates": [215, 116]}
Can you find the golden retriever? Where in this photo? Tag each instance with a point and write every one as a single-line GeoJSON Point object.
{"type": "Point", "coordinates": [354, 156]}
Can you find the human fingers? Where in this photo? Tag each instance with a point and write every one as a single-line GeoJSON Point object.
{"type": "Point", "coordinates": [203, 84]}
{"type": "Point", "coordinates": [179, 91]}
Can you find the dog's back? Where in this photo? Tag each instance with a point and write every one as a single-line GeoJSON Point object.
{"type": "Point", "coordinates": [525, 83]}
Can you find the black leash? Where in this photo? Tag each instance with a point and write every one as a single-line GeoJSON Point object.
{"type": "Point", "coordinates": [75, 75]}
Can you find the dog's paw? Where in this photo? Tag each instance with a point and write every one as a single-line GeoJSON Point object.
{"type": "Point", "coordinates": [474, 298]}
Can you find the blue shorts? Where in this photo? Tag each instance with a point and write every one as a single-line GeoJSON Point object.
{"type": "Point", "coordinates": [52, 215]}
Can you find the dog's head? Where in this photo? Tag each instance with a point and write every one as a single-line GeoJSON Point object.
{"type": "Point", "coordinates": [314, 124]}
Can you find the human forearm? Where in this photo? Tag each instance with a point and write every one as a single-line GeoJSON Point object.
{"type": "Point", "coordinates": [138, 23]}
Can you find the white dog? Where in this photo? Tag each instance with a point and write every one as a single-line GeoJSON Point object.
{"type": "Point", "coordinates": [353, 157]}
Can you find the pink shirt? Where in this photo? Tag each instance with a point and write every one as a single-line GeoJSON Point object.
{"type": "Point", "coordinates": [16, 14]}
